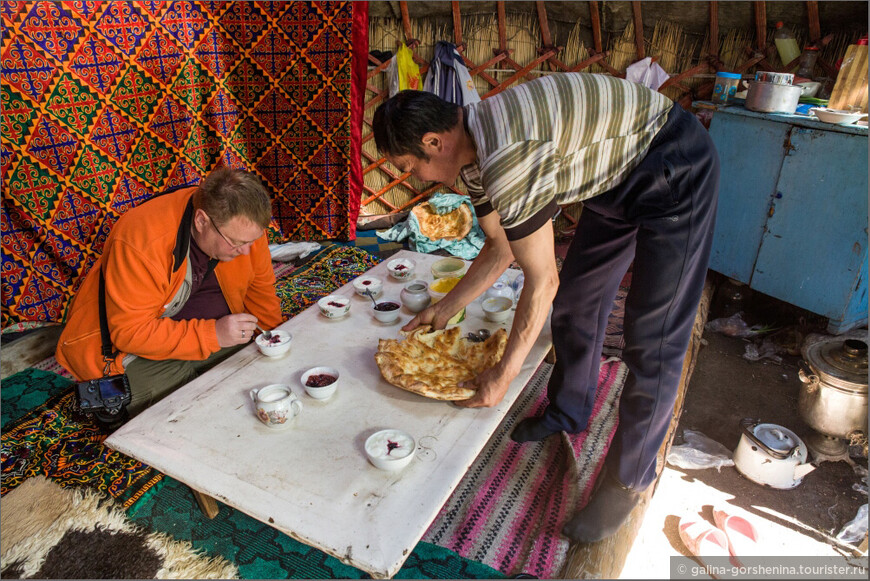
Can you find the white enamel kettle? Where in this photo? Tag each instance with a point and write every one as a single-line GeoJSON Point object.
{"type": "Point", "coordinates": [771, 454]}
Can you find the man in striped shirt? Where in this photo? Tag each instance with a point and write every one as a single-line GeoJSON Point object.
{"type": "Point", "coordinates": [648, 176]}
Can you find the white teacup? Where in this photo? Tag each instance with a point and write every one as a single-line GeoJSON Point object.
{"type": "Point", "coordinates": [277, 406]}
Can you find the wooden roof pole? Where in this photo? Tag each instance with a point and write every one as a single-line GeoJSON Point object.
{"type": "Point", "coordinates": [502, 34]}
{"type": "Point", "coordinates": [460, 47]}
{"type": "Point", "coordinates": [457, 24]}
{"type": "Point", "coordinates": [547, 39]}
{"type": "Point", "coordinates": [713, 61]}
{"type": "Point", "coordinates": [760, 26]}
{"type": "Point", "coordinates": [813, 17]}
{"type": "Point", "coordinates": [545, 26]}
{"type": "Point", "coordinates": [761, 39]}
{"type": "Point", "coordinates": [596, 25]}
{"type": "Point", "coordinates": [816, 36]}
{"type": "Point", "coordinates": [713, 49]}
{"type": "Point", "coordinates": [406, 25]}
{"type": "Point", "coordinates": [596, 40]}
{"type": "Point", "coordinates": [638, 29]}
{"type": "Point", "coordinates": [504, 53]}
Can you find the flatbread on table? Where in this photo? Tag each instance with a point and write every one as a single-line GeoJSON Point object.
{"type": "Point", "coordinates": [454, 225]}
{"type": "Point", "coordinates": [433, 363]}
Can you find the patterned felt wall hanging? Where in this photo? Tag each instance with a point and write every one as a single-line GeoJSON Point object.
{"type": "Point", "coordinates": [105, 104]}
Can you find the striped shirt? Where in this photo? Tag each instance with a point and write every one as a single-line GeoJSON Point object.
{"type": "Point", "coordinates": [557, 139]}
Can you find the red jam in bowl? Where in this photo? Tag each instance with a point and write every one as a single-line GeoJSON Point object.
{"type": "Point", "coordinates": [319, 380]}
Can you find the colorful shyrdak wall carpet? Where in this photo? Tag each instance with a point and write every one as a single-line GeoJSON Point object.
{"type": "Point", "coordinates": [106, 104]}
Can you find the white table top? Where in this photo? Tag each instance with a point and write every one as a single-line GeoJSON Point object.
{"type": "Point", "coordinates": [312, 481]}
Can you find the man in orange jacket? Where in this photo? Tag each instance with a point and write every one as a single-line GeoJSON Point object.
{"type": "Point", "coordinates": [188, 276]}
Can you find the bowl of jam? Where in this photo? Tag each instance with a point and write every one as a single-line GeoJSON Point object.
{"type": "Point", "coordinates": [320, 382]}
{"type": "Point", "coordinates": [386, 311]}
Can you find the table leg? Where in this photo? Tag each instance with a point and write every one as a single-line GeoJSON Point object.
{"type": "Point", "coordinates": [206, 503]}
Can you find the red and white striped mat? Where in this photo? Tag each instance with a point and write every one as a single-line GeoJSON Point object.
{"type": "Point", "coordinates": [509, 509]}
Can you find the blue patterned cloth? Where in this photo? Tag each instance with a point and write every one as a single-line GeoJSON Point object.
{"type": "Point", "coordinates": [467, 248]}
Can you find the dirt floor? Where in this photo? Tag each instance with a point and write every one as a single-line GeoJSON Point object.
{"type": "Point", "coordinates": [725, 388]}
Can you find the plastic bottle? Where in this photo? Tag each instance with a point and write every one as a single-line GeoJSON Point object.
{"type": "Point", "coordinates": [808, 62]}
{"type": "Point", "coordinates": [786, 44]}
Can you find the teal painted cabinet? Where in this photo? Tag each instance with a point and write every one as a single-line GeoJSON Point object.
{"type": "Point", "coordinates": [792, 215]}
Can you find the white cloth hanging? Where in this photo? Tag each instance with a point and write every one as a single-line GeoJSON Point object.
{"type": "Point", "coordinates": [647, 73]}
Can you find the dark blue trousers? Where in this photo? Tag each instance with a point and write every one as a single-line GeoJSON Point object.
{"type": "Point", "coordinates": [661, 218]}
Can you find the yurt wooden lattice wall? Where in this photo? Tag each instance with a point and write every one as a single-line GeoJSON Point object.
{"type": "Point", "coordinates": [506, 48]}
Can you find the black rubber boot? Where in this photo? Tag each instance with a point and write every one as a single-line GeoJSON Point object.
{"type": "Point", "coordinates": [531, 430]}
{"type": "Point", "coordinates": [608, 508]}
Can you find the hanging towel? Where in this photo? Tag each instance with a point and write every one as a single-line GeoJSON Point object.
{"type": "Point", "coordinates": [448, 77]}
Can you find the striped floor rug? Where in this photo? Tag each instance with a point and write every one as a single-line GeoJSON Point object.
{"type": "Point", "coordinates": [510, 507]}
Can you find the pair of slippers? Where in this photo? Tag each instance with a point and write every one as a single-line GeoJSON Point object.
{"type": "Point", "coordinates": [732, 537]}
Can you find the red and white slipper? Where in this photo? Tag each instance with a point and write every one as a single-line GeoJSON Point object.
{"type": "Point", "coordinates": [703, 539]}
{"type": "Point", "coordinates": [743, 540]}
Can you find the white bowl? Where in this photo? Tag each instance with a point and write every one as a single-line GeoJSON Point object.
{"type": "Point", "coordinates": [401, 268]}
{"type": "Point", "coordinates": [386, 316]}
{"type": "Point", "coordinates": [500, 289]}
{"type": "Point", "coordinates": [334, 306]}
{"type": "Point", "coordinates": [324, 392]}
{"type": "Point", "coordinates": [366, 284]}
{"type": "Point", "coordinates": [809, 88]}
{"type": "Point", "coordinates": [279, 345]}
{"type": "Point", "coordinates": [390, 449]}
{"type": "Point", "coordinates": [497, 309]}
{"type": "Point", "coordinates": [836, 116]}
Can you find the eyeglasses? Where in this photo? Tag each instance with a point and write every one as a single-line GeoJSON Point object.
{"type": "Point", "coordinates": [227, 240]}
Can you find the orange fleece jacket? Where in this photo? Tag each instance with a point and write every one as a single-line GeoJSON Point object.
{"type": "Point", "coordinates": [140, 283]}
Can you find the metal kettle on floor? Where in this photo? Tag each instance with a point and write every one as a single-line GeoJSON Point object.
{"type": "Point", "coordinates": [771, 455]}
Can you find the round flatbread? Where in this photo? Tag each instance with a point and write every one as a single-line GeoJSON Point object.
{"type": "Point", "coordinates": [433, 363]}
{"type": "Point", "coordinates": [453, 225]}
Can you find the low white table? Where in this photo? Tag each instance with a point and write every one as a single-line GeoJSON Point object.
{"type": "Point", "coordinates": [312, 481]}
